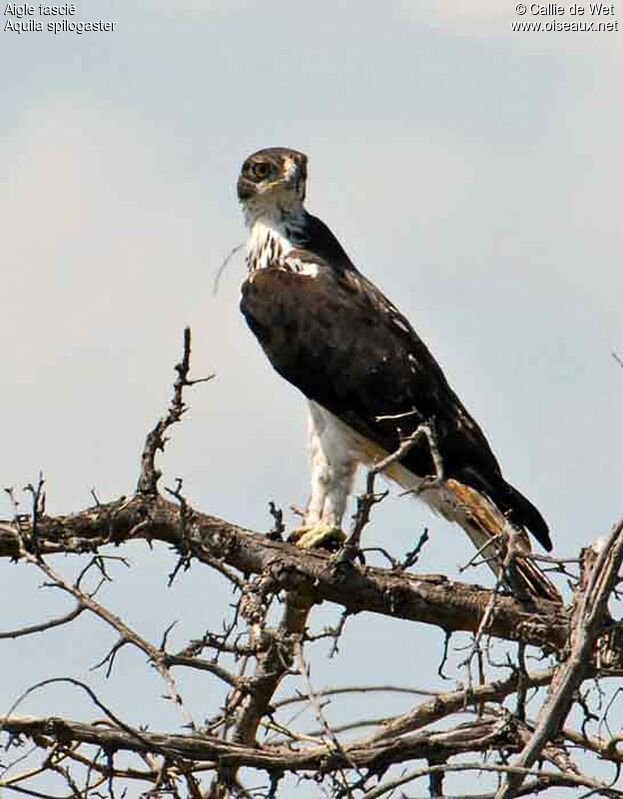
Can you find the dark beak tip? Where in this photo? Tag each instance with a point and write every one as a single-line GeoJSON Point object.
{"type": "Point", "coordinates": [244, 189]}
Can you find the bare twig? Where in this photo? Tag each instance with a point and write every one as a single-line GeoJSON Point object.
{"type": "Point", "coordinates": [149, 476]}
{"type": "Point", "coordinates": [134, 737]}
{"type": "Point", "coordinates": [278, 529]}
{"type": "Point", "coordinates": [366, 501]}
{"type": "Point", "coordinates": [352, 689]}
{"type": "Point", "coordinates": [444, 704]}
{"type": "Point", "coordinates": [208, 750]}
{"type": "Point", "coordinates": [223, 267]}
{"type": "Point", "coordinates": [431, 599]}
{"type": "Point", "coordinates": [267, 572]}
{"type": "Point", "coordinates": [127, 635]}
{"type": "Point", "coordinates": [588, 619]}
{"type": "Point", "coordinates": [412, 557]}
{"type": "Point", "coordinates": [329, 737]}
{"type": "Point", "coordinates": [46, 625]}
{"type": "Point", "coordinates": [549, 778]}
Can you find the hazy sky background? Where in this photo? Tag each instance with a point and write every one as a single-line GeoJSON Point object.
{"type": "Point", "coordinates": [474, 173]}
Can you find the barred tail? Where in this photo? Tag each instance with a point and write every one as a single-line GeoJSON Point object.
{"type": "Point", "coordinates": [489, 529]}
{"type": "Point", "coordinates": [483, 522]}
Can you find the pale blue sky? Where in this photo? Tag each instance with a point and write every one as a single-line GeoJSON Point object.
{"type": "Point", "coordinates": [473, 173]}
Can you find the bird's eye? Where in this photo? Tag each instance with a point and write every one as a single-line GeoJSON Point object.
{"type": "Point", "coordinates": [260, 170]}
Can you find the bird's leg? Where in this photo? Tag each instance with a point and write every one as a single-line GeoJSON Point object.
{"type": "Point", "coordinates": [333, 466]}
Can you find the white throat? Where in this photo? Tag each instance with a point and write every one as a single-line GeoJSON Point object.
{"type": "Point", "coordinates": [276, 207]}
{"type": "Point", "coordinates": [271, 228]}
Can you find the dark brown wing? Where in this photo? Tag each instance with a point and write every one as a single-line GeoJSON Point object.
{"type": "Point", "coordinates": [338, 339]}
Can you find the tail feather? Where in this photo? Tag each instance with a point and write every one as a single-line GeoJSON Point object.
{"type": "Point", "coordinates": [484, 521]}
{"type": "Point", "coordinates": [523, 513]}
{"type": "Point", "coordinates": [511, 502]}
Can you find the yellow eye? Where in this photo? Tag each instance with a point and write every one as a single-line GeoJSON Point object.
{"type": "Point", "coordinates": [260, 170]}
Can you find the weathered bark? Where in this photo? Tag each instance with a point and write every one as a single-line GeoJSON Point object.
{"type": "Point", "coordinates": [428, 598]}
{"type": "Point", "coordinates": [470, 737]}
{"type": "Point", "coordinates": [591, 608]}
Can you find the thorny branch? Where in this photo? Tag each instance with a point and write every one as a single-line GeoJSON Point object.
{"type": "Point", "coordinates": [254, 654]}
{"type": "Point", "coordinates": [369, 498]}
{"type": "Point", "coordinates": [149, 476]}
{"type": "Point", "coordinates": [46, 625]}
{"type": "Point", "coordinates": [591, 609]}
{"type": "Point", "coordinates": [428, 598]}
{"type": "Point", "coordinates": [126, 634]}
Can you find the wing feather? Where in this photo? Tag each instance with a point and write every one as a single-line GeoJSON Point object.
{"type": "Point", "coordinates": [338, 339]}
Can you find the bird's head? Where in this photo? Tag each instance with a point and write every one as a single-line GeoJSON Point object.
{"type": "Point", "coordinates": [272, 181]}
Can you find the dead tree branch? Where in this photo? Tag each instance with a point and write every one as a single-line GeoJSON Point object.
{"type": "Point", "coordinates": [586, 625]}
{"type": "Point", "coordinates": [445, 704]}
{"type": "Point", "coordinates": [155, 441]}
{"type": "Point", "coordinates": [544, 779]}
{"type": "Point", "coordinates": [213, 751]}
{"type": "Point", "coordinates": [430, 599]}
{"type": "Point", "coordinates": [46, 625]}
{"type": "Point", "coordinates": [259, 654]}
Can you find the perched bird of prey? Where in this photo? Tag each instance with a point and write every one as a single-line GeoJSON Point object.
{"type": "Point", "coordinates": [372, 385]}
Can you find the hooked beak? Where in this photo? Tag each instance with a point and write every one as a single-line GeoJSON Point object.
{"type": "Point", "coordinates": [245, 188]}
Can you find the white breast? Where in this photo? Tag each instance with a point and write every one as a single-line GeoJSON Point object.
{"type": "Point", "coordinates": [269, 245]}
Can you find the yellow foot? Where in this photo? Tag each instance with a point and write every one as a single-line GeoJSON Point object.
{"type": "Point", "coordinates": [317, 536]}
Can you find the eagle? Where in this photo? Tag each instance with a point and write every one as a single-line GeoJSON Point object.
{"type": "Point", "coordinates": [372, 385]}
